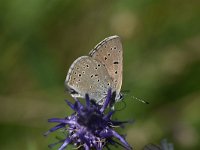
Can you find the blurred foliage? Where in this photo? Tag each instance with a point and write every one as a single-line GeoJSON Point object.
{"type": "Point", "coordinates": [39, 39]}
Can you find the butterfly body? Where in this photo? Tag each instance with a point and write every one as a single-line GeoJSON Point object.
{"type": "Point", "coordinates": [96, 73]}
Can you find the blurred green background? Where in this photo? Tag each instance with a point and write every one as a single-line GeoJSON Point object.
{"type": "Point", "coordinates": [39, 39]}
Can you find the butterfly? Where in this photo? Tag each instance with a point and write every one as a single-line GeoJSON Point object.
{"type": "Point", "coordinates": [96, 73]}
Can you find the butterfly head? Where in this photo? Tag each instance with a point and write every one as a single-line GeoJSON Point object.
{"type": "Point", "coordinates": [116, 98]}
{"type": "Point", "coordinates": [119, 97]}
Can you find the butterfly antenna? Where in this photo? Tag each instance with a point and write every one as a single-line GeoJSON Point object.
{"type": "Point", "coordinates": [143, 101]}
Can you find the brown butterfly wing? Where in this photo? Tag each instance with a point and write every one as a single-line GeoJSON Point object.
{"type": "Point", "coordinates": [110, 53]}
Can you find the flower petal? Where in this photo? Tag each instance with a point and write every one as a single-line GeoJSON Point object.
{"type": "Point", "coordinates": [121, 139]}
{"type": "Point", "coordinates": [84, 139]}
{"type": "Point", "coordinates": [87, 99]}
{"type": "Point", "coordinates": [109, 115]}
{"type": "Point", "coordinates": [54, 128]}
{"type": "Point", "coordinates": [54, 144]}
{"type": "Point", "coordinates": [66, 142]}
{"type": "Point", "coordinates": [86, 147]}
{"type": "Point", "coordinates": [70, 104]}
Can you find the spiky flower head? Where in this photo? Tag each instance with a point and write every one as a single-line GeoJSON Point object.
{"type": "Point", "coordinates": [89, 127]}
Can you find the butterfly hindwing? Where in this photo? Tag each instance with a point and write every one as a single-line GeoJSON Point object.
{"type": "Point", "coordinates": [87, 75]}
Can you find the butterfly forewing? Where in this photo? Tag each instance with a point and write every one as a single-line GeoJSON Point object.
{"type": "Point", "coordinates": [87, 75]}
{"type": "Point", "coordinates": [110, 53]}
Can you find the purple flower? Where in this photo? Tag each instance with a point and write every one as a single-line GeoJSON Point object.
{"type": "Point", "coordinates": [89, 127]}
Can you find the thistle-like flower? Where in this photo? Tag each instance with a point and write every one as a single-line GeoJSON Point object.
{"type": "Point", "coordinates": [89, 127]}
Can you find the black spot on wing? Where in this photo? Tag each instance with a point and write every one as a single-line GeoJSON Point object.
{"type": "Point", "coordinates": [116, 62]}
